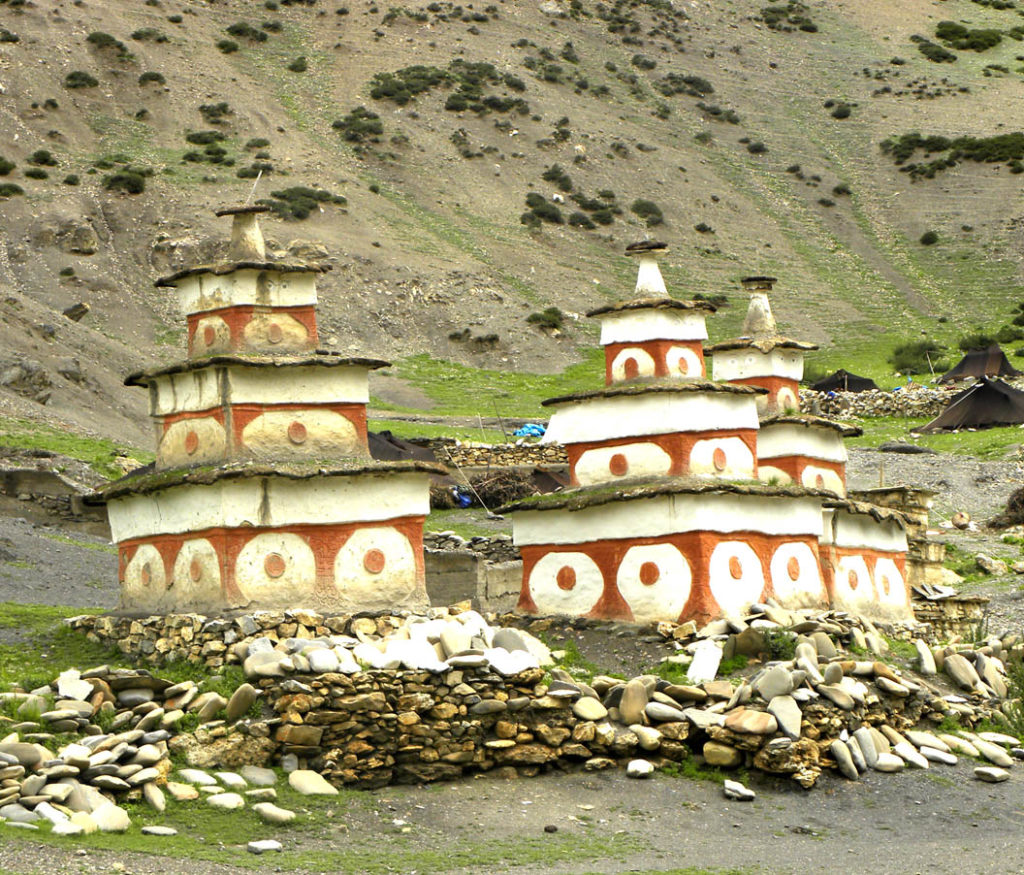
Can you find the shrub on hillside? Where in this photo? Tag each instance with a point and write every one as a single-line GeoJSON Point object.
{"type": "Point", "coordinates": [6, 166]}
{"type": "Point", "coordinates": [556, 174]}
{"type": "Point", "coordinates": [227, 46]}
{"type": "Point", "coordinates": [647, 210]}
{"type": "Point", "coordinates": [550, 317]}
{"type": "Point", "coordinates": [360, 124]}
{"type": "Point", "coordinates": [152, 76]}
{"type": "Point", "coordinates": [80, 79]}
{"type": "Point", "coordinates": [967, 39]}
{"type": "Point", "coordinates": [244, 30]}
{"type": "Point", "coordinates": [299, 201]}
{"type": "Point", "coordinates": [918, 357]}
{"type": "Point", "coordinates": [975, 340]}
{"type": "Point", "coordinates": [788, 17]}
{"type": "Point", "coordinates": [129, 181]}
{"type": "Point", "coordinates": [299, 65]}
{"type": "Point", "coordinates": [101, 41]}
{"type": "Point", "coordinates": [929, 238]}
{"type": "Point", "coordinates": [150, 34]}
{"type": "Point", "coordinates": [10, 189]}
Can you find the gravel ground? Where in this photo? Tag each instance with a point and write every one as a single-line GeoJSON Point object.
{"type": "Point", "coordinates": [940, 822]}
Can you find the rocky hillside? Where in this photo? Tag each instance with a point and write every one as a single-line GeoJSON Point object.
{"type": "Point", "coordinates": [469, 166]}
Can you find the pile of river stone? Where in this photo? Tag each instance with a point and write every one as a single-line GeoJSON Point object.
{"type": "Point", "coordinates": [436, 644]}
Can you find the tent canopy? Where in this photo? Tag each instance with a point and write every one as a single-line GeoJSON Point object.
{"type": "Point", "coordinates": [843, 381]}
{"type": "Point", "coordinates": [989, 362]}
{"type": "Point", "coordinates": [985, 404]}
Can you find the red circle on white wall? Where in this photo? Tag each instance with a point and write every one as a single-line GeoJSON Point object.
{"type": "Point", "coordinates": [297, 433]}
{"type": "Point", "coordinates": [274, 565]}
{"type": "Point", "coordinates": [719, 459]}
{"type": "Point", "coordinates": [649, 573]}
{"type": "Point", "coordinates": [191, 442]}
{"type": "Point", "coordinates": [195, 570]}
{"type": "Point", "coordinates": [618, 465]}
{"type": "Point", "coordinates": [793, 568]}
{"type": "Point", "coordinates": [735, 567]}
{"type": "Point", "coordinates": [566, 578]}
{"type": "Point", "coordinates": [630, 368]}
{"type": "Point", "coordinates": [374, 561]}
{"type": "Point", "coordinates": [274, 333]}
{"type": "Point", "coordinates": [209, 335]}
{"type": "Point", "coordinates": [853, 579]}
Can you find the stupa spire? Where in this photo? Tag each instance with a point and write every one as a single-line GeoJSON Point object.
{"type": "Point", "coordinates": [760, 321]}
{"type": "Point", "coordinates": [649, 281]}
{"type": "Point", "coordinates": [246, 237]}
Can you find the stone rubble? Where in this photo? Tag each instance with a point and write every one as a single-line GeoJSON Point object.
{"type": "Point", "coordinates": [436, 697]}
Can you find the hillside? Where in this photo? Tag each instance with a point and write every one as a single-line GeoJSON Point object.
{"type": "Point", "coordinates": [756, 131]}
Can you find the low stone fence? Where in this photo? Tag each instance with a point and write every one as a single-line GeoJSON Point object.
{"type": "Point", "coordinates": [915, 401]}
{"type": "Point", "coordinates": [504, 455]}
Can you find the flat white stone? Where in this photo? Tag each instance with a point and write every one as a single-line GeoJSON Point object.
{"type": "Point", "coordinates": [263, 846]}
{"type": "Point", "coordinates": [159, 831]}
{"type": "Point", "coordinates": [111, 818]}
{"type": "Point", "coordinates": [908, 753]}
{"type": "Point", "coordinates": [197, 777]}
{"type": "Point", "coordinates": [639, 769]}
{"type": "Point", "coordinates": [67, 828]}
{"type": "Point", "coordinates": [707, 656]}
{"type": "Point", "coordinates": [227, 801]}
{"type": "Point", "coordinates": [934, 755]}
{"type": "Point", "coordinates": [889, 762]}
{"type": "Point", "coordinates": [991, 774]}
{"type": "Point", "coordinates": [310, 783]}
{"type": "Point", "coordinates": [736, 790]}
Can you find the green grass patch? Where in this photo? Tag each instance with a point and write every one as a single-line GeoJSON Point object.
{"type": "Point", "coordinates": [465, 522]}
{"type": "Point", "coordinates": [690, 768]}
{"type": "Point", "coordinates": [99, 453]}
{"type": "Point", "coordinates": [77, 542]}
{"type": "Point", "coordinates": [45, 647]}
{"type": "Point", "coordinates": [459, 390]}
{"type": "Point", "coordinates": [408, 430]}
{"type": "Point", "coordinates": [989, 443]}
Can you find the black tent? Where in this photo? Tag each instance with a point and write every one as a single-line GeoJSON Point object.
{"type": "Point", "coordinates": [989, 362]}
{"type": "Point", "coordinates": [385, 447]}
{"type": "Point", "coordinates": [843, 381]}
{"type": "Point", "coordinates": [985, 404]}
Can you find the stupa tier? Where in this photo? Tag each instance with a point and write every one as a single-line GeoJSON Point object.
{"type": "Point", "coordinates": [263, 493]}
{"type": "Point", "coordinates": [693, 498]}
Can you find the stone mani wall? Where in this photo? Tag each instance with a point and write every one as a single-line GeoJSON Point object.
{"type": "Point", "coordinates": [503, 455]}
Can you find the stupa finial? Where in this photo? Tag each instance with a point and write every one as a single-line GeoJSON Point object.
{"type": "Point", "coordinates": [760, 321]}
{"type": "Point", "coordinates": [649, 281]}
{"type": "Point", "coordinates": [246, 237]}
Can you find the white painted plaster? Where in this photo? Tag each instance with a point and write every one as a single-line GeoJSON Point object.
{"type": "Point", "coordinates": [769, 474]}
{"type": "Point", "coordinates": [294, 334]}
{"type": "Point", "coordinates": [299, 576]}
{"type": "Point", "coordinates": [395, 584]}
{"type": "Point", "coordinates": [829, 479]}
{"type": "Point", "coordinates": [328, 435]}
{"type": "Point", "coordinates": [735, 595]}
{"type": "Point", "coordinates": [681, 361]}
{"type": "Point", "coordinates": [207, 589]}
{"type": "Point", "coordinates": [889, 583]}
{"type": "Point", "coordinates": [186, 392]}
{"type": "Point", "coordinates": [644, 363]}
{"type": "Point", "coordinates": [739, 460]}
{"type": "Point", "coordinates": [221, 336]}
{"type": "Point", "coordinates": [736, 364]}
{"type": "Point", "coordinates": [670, 514]}
{"type": "Point", "coordinates": [637, 326]}
{"type": "Point", "coordinates": [643, 460]}
{"type": "Point", "coordinates": [547, 595]}
{"type": "Point", "coordinates": [134, 590]}
{"type": "Point", "coordinates": [845, 596]}
{"type": "Point", "coordinates": [784, 399]}
{"type": "Point", "coordinates": [315, 385]}
{"type": "Point", "coordinates": [270, 501]}
{"type": "Point", "coordinates": [200, 389]}
{"type": "Point", "coordinates": [807, 590]}
{"type": "Point", "coordinates": [620, 416]}
{"type": "Point", "coordinates": [666, 597]}
{"type": "Point", "coordinates": [207, 291]}
{"type": "Point", "coordinates": [861, 531]}
{"type": "Point", "coordinates": [786, 439]}
{"type": "Point", "coordinates": [212, 445]}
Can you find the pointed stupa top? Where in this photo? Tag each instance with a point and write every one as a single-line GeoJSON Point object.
{"type": "Point", "coordinates": [760, 321]}
{"type": "Point", "coordinates": [649, 281]}
{"type": "Point", "coordinates": [246, 237]}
